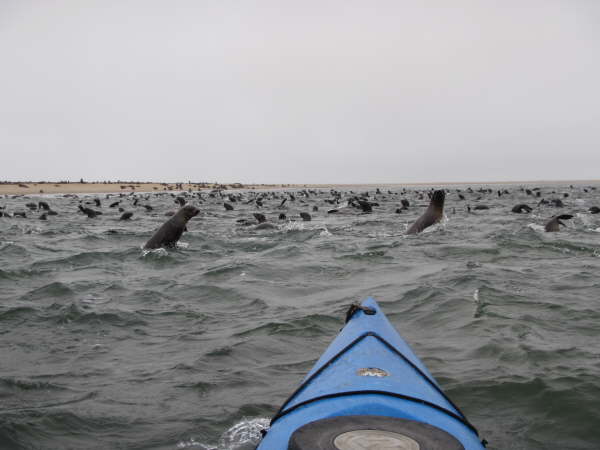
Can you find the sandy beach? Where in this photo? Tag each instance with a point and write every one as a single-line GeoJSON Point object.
{"type": "Point", "coordinates": [49, 187]}
{"type": "Point", "coordinates": [25, 188]}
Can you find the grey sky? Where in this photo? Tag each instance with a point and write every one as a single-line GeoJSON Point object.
{"type": "Point", "coordinates": [300, 92]}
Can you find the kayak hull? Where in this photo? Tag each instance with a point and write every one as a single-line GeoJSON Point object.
{"type": "Point", "coordinates": [369, 371]}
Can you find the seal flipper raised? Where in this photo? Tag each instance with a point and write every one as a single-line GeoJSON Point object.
{"type": "Point", "coordinates": [433, 214]}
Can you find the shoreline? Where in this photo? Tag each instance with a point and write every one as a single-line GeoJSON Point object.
{"type": "Point", "coordinates": [49, 187]}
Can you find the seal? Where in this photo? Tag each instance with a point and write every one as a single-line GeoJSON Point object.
{"type": "Point", "coordinates": [170, 231]}
{"type": "Point", "coordinates": [126, 215]}
{"type": "Point", "coordinates": [260, 218]}
{"type": "Point", "coordinates": [364, 205]}
{"type": "Point", "coordinates": [553, 224]}
{"type": "Point", "coordinates": [433, 214]}
{"type": "Point", "coordinates": [305, 216]}
{"type": "Point", "coordinates": [521, 208]}
{"type": "Point", "coordinates": [89, 211]}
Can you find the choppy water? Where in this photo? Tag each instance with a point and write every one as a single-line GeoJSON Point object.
{"type": "Point", "coordinates": [103, 345]}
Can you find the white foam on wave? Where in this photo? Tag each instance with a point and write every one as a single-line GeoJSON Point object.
{"type": "Point", "coordinates": [585, 219]}
{"type": "Point", "coordinates": [441, 225]}
{"type": "Point", "coordinates": [31, 230]}
{"type": "Point", "coordinates": [192, 443]}
{"type": "Point", "coordinates": [247, 432]}
{"type": "Point", "coordinates": [325, 232]}
{"type": "Point", "coordinates": [160, 252]}
{"type": "Point", "coordinates": [244, 435]}
{"type": "Point", "coordinates": [536, 227]}
{"type": "Point", "coordinates": [293, 225]}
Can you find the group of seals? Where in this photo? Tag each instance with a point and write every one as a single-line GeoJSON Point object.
{"type": "Point", "coordinates": [170, 232]}
{"type": "Point", "coordinates": [435, 213]}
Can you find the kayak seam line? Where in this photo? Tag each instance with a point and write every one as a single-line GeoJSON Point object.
{"type": "Point", "coordinates": [317, 373]}
{"type": "Point", "coordinates": [281, 412]}
{"type": "Point", "coordinates": [385, 393]}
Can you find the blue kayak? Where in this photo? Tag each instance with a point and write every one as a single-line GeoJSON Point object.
{"type": "Point", "coordinates": [369, 391]}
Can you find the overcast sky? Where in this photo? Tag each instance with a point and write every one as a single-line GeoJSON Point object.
{"type": "Point", "coordinates": [300, 91]}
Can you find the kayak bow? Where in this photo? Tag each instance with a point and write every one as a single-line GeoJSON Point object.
{"type": "Point", "coordinates": [369, 391]}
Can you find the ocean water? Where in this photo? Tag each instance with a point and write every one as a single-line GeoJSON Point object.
{"type": "Point", "coordinates": [106, 346]}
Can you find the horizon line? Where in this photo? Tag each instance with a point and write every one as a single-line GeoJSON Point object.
{"type": "Point", "coordinates": [9, 182]}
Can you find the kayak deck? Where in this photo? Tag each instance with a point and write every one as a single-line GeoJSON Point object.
{"type": "Point", "coordinates": [368, 370]}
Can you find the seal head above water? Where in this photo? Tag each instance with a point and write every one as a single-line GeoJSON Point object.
{"type": "Point", "coordinates": [433, 214]}
{"type": "Point", "coordinates": [553, 224]}
{"type": "Point", "coordinates": [170, 231]}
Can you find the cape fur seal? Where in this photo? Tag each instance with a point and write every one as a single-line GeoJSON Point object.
{"type": "Point", "coordinates": [433, 214]}
{"type": "Point", "coordinates": [89, 211]}
{"type": "Point", "coordinates": [170, 232]}
{"type": "Point", "coordinates": [521, 208]}
{"type": "Point", "coordinates": [364, 205]}
{"type": "Point", "coordinates": [553, 224]}
{"type": "Point", "coordinates": [260, 218]}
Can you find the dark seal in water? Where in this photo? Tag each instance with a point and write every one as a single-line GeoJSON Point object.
{"type": "Point", "coordinates": [553, 224]}
{"type": "Point", "coordinates": [433, 214]}
{"type": "Point", "coordinates": [170, 232]}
